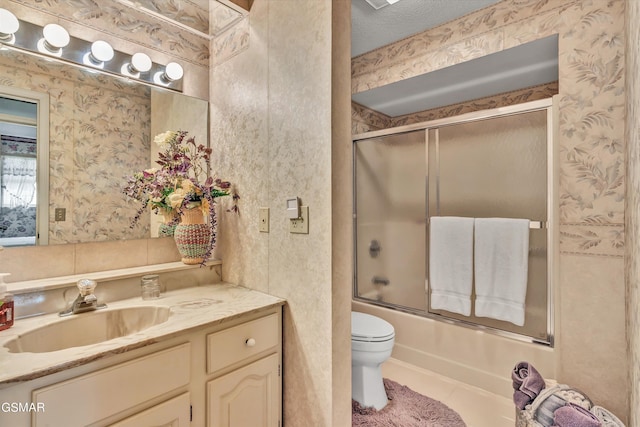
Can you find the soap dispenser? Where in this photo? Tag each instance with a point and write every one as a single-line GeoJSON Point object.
{"type": "Point", "coordinates": [6, 304]}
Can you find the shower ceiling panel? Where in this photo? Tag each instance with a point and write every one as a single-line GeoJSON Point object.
{"type": "Point", "coordinates": [527, 65]}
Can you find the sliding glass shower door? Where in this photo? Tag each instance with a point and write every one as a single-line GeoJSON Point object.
{"type": "Point", "coordinates": [391, 186]}
{"type": "Point", "coordinates": [497, 168]}
{"type": "Point", "coordinates": [495, 165]}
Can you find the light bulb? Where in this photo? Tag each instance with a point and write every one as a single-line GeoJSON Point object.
{"type": "Point", "coordinates": [140, 63]}
{"type": "Point", "coordinates": [55, 38]}
{"type": "Point", "coordinates": [9, 24]}
{"type": "Point", "coordinates": [173, 71]}
{"type": "Point", "coordinates": [100, 53]}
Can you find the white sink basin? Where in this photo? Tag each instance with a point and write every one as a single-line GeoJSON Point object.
{"type": "Point", "coordinates": [88, 328]}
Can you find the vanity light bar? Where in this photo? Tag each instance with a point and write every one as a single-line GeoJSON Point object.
{"type": "Point", "coordinates": [54, 42]}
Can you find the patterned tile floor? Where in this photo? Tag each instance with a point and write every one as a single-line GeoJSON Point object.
{"type": "Point", "coordinates": [478, 408]}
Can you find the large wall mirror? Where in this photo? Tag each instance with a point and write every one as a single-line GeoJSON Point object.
{"type": "Point", "coordinates": [83, 133]}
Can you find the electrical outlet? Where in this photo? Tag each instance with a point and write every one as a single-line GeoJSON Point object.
{"type": "Point", "coordinates": [300, 225]}
{"type": "Point", "coordinates": [264, 220]}
{"type": "Point", "coordinates": [60, 214]}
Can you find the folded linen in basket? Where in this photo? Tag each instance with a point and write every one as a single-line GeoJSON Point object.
{"type": "Point", "coordinates": [451, 263]}
{"type": "Point", "coordinates": [501, 266]}
{"type": "Point", "coordinates": [574, 416]}
{"type": "Point", "coordinates": [527, 383]}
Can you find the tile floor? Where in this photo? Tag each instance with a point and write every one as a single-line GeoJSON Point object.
{"type": "Point", "coordinates": [478, 408]}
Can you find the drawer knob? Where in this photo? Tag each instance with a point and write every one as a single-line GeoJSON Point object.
{"type": "Point", "coordinates": [250, 342]}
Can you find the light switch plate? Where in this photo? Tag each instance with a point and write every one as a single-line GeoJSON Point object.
{"type": "Point", "coordinates": [300, 225]}
{"type": "Point", "coordinates": [264, 220]}
{"type": "Point", "coordinates": [60, 214]}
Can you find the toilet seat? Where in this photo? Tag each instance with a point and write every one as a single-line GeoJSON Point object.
{"type": "Point", "coordinates": [368, 328]}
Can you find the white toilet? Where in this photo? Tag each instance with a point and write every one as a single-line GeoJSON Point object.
{"type": "Point", "coordinates": [371, 344]}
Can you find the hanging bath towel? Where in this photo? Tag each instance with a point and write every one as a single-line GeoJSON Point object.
{"type": "Point", "coordinates": [501, 265]}
{"type": "Point", "coordinates": [451, 263]}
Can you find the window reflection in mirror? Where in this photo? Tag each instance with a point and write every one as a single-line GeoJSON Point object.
{"type": "Point", "coordinates": [22, 219]}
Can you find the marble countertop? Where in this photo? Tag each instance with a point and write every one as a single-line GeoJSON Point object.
{"type": "Point", "coordinates": [190, 308]}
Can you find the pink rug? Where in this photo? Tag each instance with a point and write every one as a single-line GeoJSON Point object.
{"type": "Point", "coordinates": [406, 408]}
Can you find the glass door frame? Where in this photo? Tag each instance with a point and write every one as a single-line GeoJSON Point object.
{"type": "Point", "coordinates": [550, 106]}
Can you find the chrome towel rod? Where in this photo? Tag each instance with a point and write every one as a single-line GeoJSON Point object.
{"type": "Point", "coordinates": [534, 225]}
{"type": "Point", "coordinates": [537, 224]}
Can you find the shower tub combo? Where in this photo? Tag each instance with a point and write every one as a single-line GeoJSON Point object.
{"type": "Point", "coordinates": [488, 164]}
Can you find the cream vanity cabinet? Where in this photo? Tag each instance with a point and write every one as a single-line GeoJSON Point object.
{"type": "Point", "coordinates": [244, 396]}
{"type": "Point", "coordinates": [223, 375]}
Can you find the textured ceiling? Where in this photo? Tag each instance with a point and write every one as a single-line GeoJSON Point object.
{"type": "Point", "coordinates": [372, 28]}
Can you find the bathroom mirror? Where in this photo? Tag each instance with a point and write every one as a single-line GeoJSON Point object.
{"type": "Point", "coordinates": [100, 130]}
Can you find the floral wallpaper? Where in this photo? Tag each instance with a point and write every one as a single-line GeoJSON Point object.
{"type": "Point", "coordinates": [222, 18]}
{"type": "Point", "coordinates": [99, 133]}
{"type": "Point", "coordinates": [188, 13]}
{"type": "Point", "coordinates": [591, 88]}
{"type": "Point", "coordinates": [231, 42]}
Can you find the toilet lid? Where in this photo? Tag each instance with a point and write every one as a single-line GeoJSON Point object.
{"type": "Point", "coordinates": [365, 327]}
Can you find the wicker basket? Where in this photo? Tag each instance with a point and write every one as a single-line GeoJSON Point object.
{"type": "Point", "coordinates": [532, 413]}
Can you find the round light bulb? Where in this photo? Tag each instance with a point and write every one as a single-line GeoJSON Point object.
{"type": "Point", "coordinates": [140, 63]}
{"type": "Point", "coordinates": [9, 24]}
{"type": "Point", "coordinates": [173, 71]}
{"type": "Point", "coordinates": [55, 37]}
{"type": "Point", "coordinates": [101, 51]}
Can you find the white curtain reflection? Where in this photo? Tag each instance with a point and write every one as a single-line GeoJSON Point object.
{"type": "Point", "coordinates": [18, 181]}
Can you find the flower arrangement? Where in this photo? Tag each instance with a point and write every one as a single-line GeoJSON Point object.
{"type": "Point", "coordinates": [180, 182]}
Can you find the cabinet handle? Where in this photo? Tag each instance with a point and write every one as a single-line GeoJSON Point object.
{"type": "Point", "coordinates": [250, 342]}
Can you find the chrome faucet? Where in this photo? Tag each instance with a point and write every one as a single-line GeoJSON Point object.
{"type": "Point", "coordinates": [86, 299]}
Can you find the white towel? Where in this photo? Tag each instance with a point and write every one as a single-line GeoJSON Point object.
{"type": "Point", "coordinates": [501, 265]}
{"type": "Point", "coordinates": [451, 263]}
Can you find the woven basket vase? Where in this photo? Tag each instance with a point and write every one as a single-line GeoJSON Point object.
{"type": "Point", "coordinates": [164, 229]}
{"type": "Point", "coordinates": [192, 236]}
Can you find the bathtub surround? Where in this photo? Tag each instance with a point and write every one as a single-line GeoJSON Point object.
{"type": "Point", "coordinates": [591, 157]}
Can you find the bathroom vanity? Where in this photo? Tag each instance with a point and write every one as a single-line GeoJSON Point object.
{"type": "Point", "coordinates": [215, 360]}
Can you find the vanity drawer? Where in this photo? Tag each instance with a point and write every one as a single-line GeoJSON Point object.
{"type": "Point", "coordinates": [92, 397]}
{"type": "Point", "coordinates": [241, 342]}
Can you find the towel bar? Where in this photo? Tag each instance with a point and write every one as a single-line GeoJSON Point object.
{"type": "Point", "coordinates": [534, 225]}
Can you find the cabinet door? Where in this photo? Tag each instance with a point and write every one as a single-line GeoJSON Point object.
{"type": "Point", "coordinates": [175, 412]}
{"type": "Point", "coordinates": [249, 396]}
